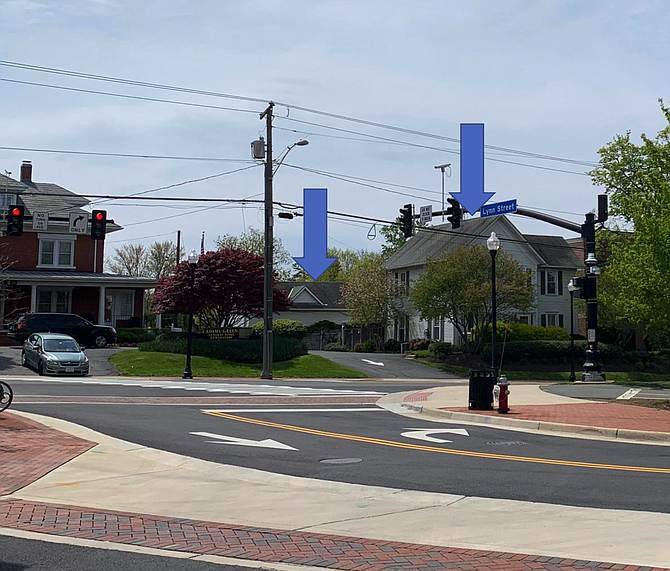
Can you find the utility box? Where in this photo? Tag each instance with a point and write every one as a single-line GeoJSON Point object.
{"type": "Point", "coordinates": [481, 389]}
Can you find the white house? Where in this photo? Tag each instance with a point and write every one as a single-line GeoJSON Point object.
{"type": "Point", "coordinates": [550, 261]}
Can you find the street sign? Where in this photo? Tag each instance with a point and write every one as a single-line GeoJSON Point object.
{"type": "Point", "coordinates": [498, 208]}
{"type": "Point", "coordinates": [426, 213]}
{"type": "Point", "coordinates": [78, 223]}
{"type": "Point", "coordinates": [40, 220]}
{"type": "Point", "coordinates": [591, 336]}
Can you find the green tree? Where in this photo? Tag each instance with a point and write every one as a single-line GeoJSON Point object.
{"type": "Point", "coordinates": [340, 269]}
{"type": "Point", "coordinates": [637, 179]}
{"type": "Point", "coordinates": [162, 258]}
{"type": "Point", "coordinates": [253, 241]}
{"type": "Point", "coordinates": [457, 287]}
{"type": "Point", "coordinates": [394, 237]}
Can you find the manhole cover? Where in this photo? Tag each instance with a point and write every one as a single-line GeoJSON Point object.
{"type": "Point", "coordinates": [341, 460]}
{"type": "Point", "coordinates": [505, 443]}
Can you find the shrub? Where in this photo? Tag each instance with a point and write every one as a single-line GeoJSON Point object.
{"type": "Point", "coordinates": [323, 324]}
{"type": "Point", "coordinates": [421, 353]}
{"type": "Point", "coordinates": [419, 344]}
{"type": "Point", "coordinates": [136, 334]}
{"type": "Point", "coordinates": [358, 347]}
{"type": "Point", "coordinates": [440, 349]}
{"type": "Point", "coordinates": [640, 366]}
{"type": "Point", "coordinates": [534, 351]}
{"type": "Point", "coordinates": [289, 328]}
{"type": "Point", "coordinates": [336, 347]}
{"type": "Point", "coordinates": [524, 332]}
{"type": "Point", "coordinates": [392, 345]}
{"type": "Point", "coordinates": [239, 351]}
{"type": "Point", "coordinates": [368, 346]}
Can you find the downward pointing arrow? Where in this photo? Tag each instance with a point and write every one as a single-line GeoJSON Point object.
{"type": "Point", "coordinates": [220, 439]}
{"type": "Point", "coordinates": [472, 195]}
{"type": "Point", "coordinates": [315, 258]}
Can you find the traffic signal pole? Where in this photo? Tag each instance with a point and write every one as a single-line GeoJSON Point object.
{"type": "Point", "coordinates": [268, 280]}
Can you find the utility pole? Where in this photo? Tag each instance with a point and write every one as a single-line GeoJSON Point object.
{"type": "Point", "coordinates": [442, 168]}
{"type": "Point", "coordinates": [592, 365]}
{"type": "Point", "coordinates": [266, 373]}
{"type": "Point", "coordinates": [178, 255]}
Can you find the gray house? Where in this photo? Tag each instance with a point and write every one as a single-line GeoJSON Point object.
{"type": "Point", "coordinates": [549, 260]}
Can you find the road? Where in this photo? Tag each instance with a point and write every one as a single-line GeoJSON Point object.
{"type": "Point", "coordinates": [385, 365]}
{"type": "Point", "coordinates": [10, 361]}
{"type": "Point", "coordinates": [607, 392]}
{"type": "Point", "coordinates": [332, 430]}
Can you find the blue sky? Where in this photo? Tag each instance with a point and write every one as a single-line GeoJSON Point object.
{"type": "Point", "coordinates": [558, 78]}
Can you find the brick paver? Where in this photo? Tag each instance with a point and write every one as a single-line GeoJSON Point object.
{"type": "Point", "coordinates": [603, 415]}
{"type": "Point", "coordinates": [418, 397]}
{"type": "Point", "coordinates": [271, 545]}
{"type": "Point", "coordinates": [29, 450]}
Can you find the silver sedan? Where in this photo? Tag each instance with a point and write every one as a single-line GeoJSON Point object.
{"type": "Point", "coordinates": [54, 353]}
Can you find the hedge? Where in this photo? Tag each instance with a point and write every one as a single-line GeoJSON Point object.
{"type": "Point", "coordinates": [336, 347]}
{"type": "Point", "coordinates": [136, 334]}
{"type": "Point", "coordinates": [440, 349]}
{"type": "Point", "coordinates": [282, 328]}
{"type": "Point", "coordinates": [525, 332]}
{"type": "Point", "coordinates": [239, 351]}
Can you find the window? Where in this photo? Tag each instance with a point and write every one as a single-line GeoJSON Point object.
{"type": "Point", "coordinates": [59, 253]}
{"type": "Point", "coordinates": [53, 301]}
{"type": "Point", "coordinates": [7, 200]}
{"type": "Point", "coordinates": [524, 319]}
{"type": "Point", "coordinates": [552, 320]}
{"type": "Point", "coordinates": [401, 329]}
{"type": "Point", "coordinates": [551, 284]}
{"type": "Point", "coordinates": [437, 329]}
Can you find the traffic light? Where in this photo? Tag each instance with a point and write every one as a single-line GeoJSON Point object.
{"type": "Point", "coordinates": [406, 221]}
{"type": "Point", "coordinates": [15, 220]}
{"type": "Point", "coordinates": [454, 213]}
{"type": "Point", "coordinates": [99, 224]}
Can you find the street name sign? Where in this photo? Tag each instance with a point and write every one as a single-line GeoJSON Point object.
{"type": "Point", "coordinates": [40, 220]}
{"type": "Point", "coordinates": [78, 223]}
{"type": "Point", "coordinates": [426, 213]}
{"type": "Point", "coordinates": [498, 208]}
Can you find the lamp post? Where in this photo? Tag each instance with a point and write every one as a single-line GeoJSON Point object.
{"type": "Point", "coordinates": [442, 168]}
{"type": "Point", "coordinates": [192, 262]}
{"type": "Point", "coordinates": [493, 244]}
{"type": "Point", "coordinates": [572, 288]}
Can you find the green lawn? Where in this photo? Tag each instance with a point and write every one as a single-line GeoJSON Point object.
{"type": "Point", "coordinates": [148, 364]}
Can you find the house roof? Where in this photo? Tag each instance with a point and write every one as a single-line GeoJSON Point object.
{"type": "Point", "coordinates": [322, 295]}
{"type": "Point", "coordinates": [76, 278]}
{"type": "Point", "coordinates": [555, 250]}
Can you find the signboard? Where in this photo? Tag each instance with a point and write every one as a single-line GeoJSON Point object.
{"type": "Point", "coordinates": [78, 223]}
{"type": "Point", "coordinates": [426, 213]}
{"type": "Point", "coordinates": [591, 336]}
{"type": "Point", "coordinates": [40, 220]}
{"type": "Point", "coordinates": [498, 208]}
{"type": "Point", "coordinates": [227, 333]}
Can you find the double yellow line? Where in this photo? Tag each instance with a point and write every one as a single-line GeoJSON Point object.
{"type": "Point", "coordinates": [453, 451]}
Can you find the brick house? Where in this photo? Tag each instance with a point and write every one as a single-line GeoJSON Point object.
{"type": "Point", "coordinates": [55, 271]}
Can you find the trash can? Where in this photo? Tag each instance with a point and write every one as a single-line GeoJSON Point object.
{"type": "Point", "coordinates": [481, 389]}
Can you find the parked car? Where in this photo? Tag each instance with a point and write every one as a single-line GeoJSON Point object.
{"type": "Point", "coordinates": [84, 332]}
{"type": "Point", "coordinates": [54, 353]}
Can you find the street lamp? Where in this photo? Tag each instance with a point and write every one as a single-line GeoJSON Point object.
{"type": "Point", "coordinates": [493, 244]}
{"type": "Point", "coordinates": [192, 262]}
{"type": "Point", "coordinates": [572, 288]}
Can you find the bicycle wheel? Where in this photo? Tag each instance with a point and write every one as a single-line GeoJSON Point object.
{"type": "Point", "coordinates": [6, 395]}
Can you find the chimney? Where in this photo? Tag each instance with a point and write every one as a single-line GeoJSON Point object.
{"type": "Point", "coordinates": [26, 172]}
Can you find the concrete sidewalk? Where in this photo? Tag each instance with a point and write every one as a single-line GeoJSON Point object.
{"type": "Point", "coordinates": [133, 481]}
{"type": "Point", "coordinates": [532, 409]}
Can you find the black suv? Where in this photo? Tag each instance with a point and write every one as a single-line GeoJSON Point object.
{"type": "Point", "coordinates": [83, 331]}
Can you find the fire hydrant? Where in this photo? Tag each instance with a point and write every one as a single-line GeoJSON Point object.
{"type": "Point", "coordinates": [503, 394]}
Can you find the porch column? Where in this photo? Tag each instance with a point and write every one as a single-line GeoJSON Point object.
{"type": "Point", "coordinates": [101, 306]}
{"type": "Point", "coordinates": [33, 298]}
{"type": "Point", "coordinates": [159, 320]}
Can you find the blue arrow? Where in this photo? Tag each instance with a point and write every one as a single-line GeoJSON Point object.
{"type": "Point", "coordinates": [315, 258]}
{"type": "Point", "coordinates": [472, 195]}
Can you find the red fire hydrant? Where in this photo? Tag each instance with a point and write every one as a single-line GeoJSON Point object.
{"type": "Point", "coordinates": [503, 395]}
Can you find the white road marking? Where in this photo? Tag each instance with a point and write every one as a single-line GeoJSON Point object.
{"type": "Point", "coordinates": [373, 362]}
{"type": "Point", "coordinates": [629, 394]}
{"type": "Point", "coordinates": [241, 410]}
{"type": "Point", "coordinates": [423, 433]}
{"type": "Point", "coordinates": [221, 439]}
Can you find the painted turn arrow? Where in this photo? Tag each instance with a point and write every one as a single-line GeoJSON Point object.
{"type": "Point", "coordinates": [373, 362]}
{"type": "Point", "coordinates": [315, 258]}
{"type": "Point", "coordinates": [472, 195]}
{"type": "Point", "coordinates": [423, 433]}
{"type": "Point", "coordinates": [220, 439]}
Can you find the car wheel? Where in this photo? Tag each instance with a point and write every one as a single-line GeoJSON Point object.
{"type": "Point", "coordinates": [100, 341]}
{"type": "Point", "coordinates": [40, 368]}
{"type": "Point", "coordinates": [24, 361]}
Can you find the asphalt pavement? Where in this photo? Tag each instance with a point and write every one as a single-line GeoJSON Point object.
{"type": "Point", "coordinates": [385, 365]}
{"type": "Point", "coordinates": [10, 361]}
{"type": "Point", "coordinates": [607, 392]}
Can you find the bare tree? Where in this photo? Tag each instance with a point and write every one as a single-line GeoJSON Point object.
{"type": "Point", "coordinates": [129, 260]}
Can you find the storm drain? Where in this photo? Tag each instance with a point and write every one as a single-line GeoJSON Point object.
{"type": "Point", "coordinates": [341, 460]}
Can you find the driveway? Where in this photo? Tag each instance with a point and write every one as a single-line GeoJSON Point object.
{"type": "Point", "coordinates": [10, 361]}
{"type": "Point", "coordinates": [385, 365]}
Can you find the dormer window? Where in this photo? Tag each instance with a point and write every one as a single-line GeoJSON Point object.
{"type": "Point", "coordinates": [56, 251]}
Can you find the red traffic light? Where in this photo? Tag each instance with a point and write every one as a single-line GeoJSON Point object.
{"type": "Point", "coordinates": [99, 216]}
{"type": "Point", "coordinates": [16, 211]}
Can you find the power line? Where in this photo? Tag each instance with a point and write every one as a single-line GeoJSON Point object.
{"type": "Point", "coordinates": [140, 238]}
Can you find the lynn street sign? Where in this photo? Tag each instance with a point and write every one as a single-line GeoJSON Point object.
{"type": "Point", "coordinates": [498, 208]}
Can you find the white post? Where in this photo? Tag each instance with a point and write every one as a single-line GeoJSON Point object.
{"type": "Point", "coordinates": [33, 298]}
{"type": "Point", "coordinates": [159, 321]}
{"type": "Point", "coordinates": [101, 306]}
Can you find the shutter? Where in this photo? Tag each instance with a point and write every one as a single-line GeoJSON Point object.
{"type": "Point", "coordinates": [560, 320]}
{"type": "Point", "coordinates": [407, 279]}
{"type": "Point", "coordinates": [560, 286]}
{"type": "Point", "coordinates": [543, 282]}
{"type": "Point", "coordinates": [544, 319]}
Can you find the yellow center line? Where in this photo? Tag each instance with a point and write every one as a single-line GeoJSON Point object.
{"type": "Point", "coordinates": [452, 451]}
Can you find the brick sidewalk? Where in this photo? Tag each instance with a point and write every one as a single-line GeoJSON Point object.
{"type": "Point", "coordinates": [603, 415]}
{"type": "Point", "coordinates": [29, 450]}
{"type": "Point", "coordinates": [271, 545]}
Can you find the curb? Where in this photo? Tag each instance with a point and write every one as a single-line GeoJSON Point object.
{"type": "Point", "coordinates": [540, 426]}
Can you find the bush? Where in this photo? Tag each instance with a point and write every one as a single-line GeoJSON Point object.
{"type": "Point", "coordinates": [336, 347]}
{"type": "Point", "coordinates": [238, 350]}
{"type": "Point", "coordinates": [368, 346]}
{"type": "Point", "coordinates": [421, 353]}
{"type": "Point", "coordinates": [358, 347]}
{"type": "Point", "coordinates": [440, 349]}
{"type": "Point", "coordinates": [419, 344]}
{"type": "Point", "coordinates": [289, 328]}
{"type": "Point", "coordinates": [534, 351]}
{"type": "Point", "coordinates": [524, 332]}
{"type": "Point", "coordinates": [323, 324]}
{"type": "Point", "coordinates": [392, 345]}
{"type": "Point", "coordinates": [136, 334]}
